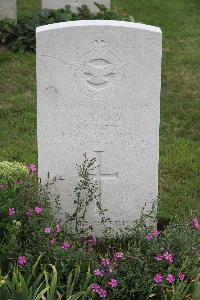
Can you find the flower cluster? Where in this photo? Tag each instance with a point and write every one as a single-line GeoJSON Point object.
{"type": "Point", "coordinates": [101, 292]}
{"type": "Point", "coordinates": [48, 230]}
{"type": "Point", "coordinates": [98, 290]}
{"type": "Point", "coordinates": [104, 273]}
{"type": "Point", "coordinates": [37, 211]}
{"type": "Point", "coordinates": [153, 233]}
{"type": "Point", "coordinates": [29, 213]}
{"type": "Point", "coordinates": [167, 256]}
{"type": "Point", "coordinates": [98, 272]}
{"type": "Point", "coordinates": [170, 278]}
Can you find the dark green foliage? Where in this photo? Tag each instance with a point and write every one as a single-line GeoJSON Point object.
{"type": "Point", "coordinates": [21, 36]}
{"type": "Point", "coordinates": [24, 235]}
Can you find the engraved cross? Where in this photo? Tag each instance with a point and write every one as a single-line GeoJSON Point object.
{"type": "Point", "coordinates": [99, 176]}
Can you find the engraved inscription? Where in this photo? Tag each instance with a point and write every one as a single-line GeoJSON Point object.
{"type": "Point", "coordinates": [117, 223]}
{"type": "Point", "coordinates": [107, 125]}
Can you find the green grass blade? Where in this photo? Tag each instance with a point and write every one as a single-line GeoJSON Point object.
{"type": "Point", "coordinates": [46, 282]}
{"type": "Point", "coordinates": [38, 290]}
{"type": "Point", "coordinates": [69, 283]}
{"type": "Point", "coordinates": [33, 270]}
{"type": "Point", "coordinates": [87, 278]}
{"type": "Point", "coordinates": [10, 287]}
{"type": "Point", "coordinates": [77, 296]}
{"type": "Point", "coordinates": [37, 281]}
{"type": "Point", "coordinates": [53, 283]}
{"type": "Point", "coordinates": [23, 286]}
{"type": "Point", "coordinates": [41, 294]}
{"type": "Point", "coordinates": [76, 275]}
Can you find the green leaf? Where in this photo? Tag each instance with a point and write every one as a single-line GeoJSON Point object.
{"type": "Point", "coordinates": [33, 270]}
{"type": "Point", "coordinates": [24, 286]}
{"type": "Point", "coordinates": [77, 296]}
{"type": "Point", "coordinates": [53, 283]}
{"type": "Point", "coordinates": [42, 293]}
{"type": "Point", "coordinates": [68, 289]}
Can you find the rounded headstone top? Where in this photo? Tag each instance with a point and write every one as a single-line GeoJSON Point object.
{"type": "Point", "coordinates": [113, 23]}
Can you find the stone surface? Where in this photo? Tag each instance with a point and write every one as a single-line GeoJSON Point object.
{"type": "Point", "coordinates": [99, 92]}
{"type": "Point", "coordinates": [56, 4]}
{"type": "Point", "coordinates": [8, 9]}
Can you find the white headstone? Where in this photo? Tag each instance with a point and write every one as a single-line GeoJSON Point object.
{"type": "Point", "coordinates": [8, 9]}
{"type": "Point", "coordinates": [57, 4]}
{"type": "Point", "coordinates": [99, 93]}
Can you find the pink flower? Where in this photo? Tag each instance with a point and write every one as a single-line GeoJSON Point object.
{"type": "Point", "coordinates": [65, 245]}
{"type": "Point", "coordinates": [118, 255]}
{"type": "Point", "coordinates": [93, 241]}
{"type": "Point", "coordinates": [47, 230]}
{"type": "Point", "coordinates": [102, 293]}
{"type": "Point", "coordinates": [32, 169]}
{"type": "Point", "coordinates": [181, 276]}
{"type": "Point", "coordinates": [11, 211]}
{"type": "Point", "coordinates": [196, 223]}
{"type": "Point", "coordinates": [98, 272]}
{"type": "Point", "coordinates": [58, 228]}
{"type": "Point", "coordinates": [95, 288]}
{"type": "Point", "coordinates": [20, 181]}
{"type": "Point", "coordinates": [53, 241]}
{"type": "Point", "coordinates": [155, 232]}
{"type": "Point", "coordinates": [170, 278]}
{"type": "Point", "coordinates": [158, 258]}
{"type": "Point", "coordinates": [22, 260]}
{"type": "Point", "coordinates": [29, 213]}
{"type": "Point", "coordinates": [113, 283]}
{"type": "Point", "coordinates": [105, 262]}
{"type": "Point", "coordinates": [2, 186]}
{"type": "Point", "coordinates": [158, 278]}
{"type": "Point", "coordinates": [149, 236]}
{"type": "Point", "coordinates": [37, 210]}
{"type": "Point", "coordinates": [168, 256]}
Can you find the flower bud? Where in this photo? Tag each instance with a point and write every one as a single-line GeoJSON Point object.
{"type": "Point", "coordinates": [18, 224]}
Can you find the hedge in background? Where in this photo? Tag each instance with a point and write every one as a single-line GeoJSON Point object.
{"type": "Point", "coordinates": [21, 36]}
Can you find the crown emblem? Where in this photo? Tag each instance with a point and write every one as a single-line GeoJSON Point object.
{"type": "Point", "coordinates": [98, 44]}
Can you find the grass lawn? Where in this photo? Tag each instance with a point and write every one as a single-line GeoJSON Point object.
{"type": "Point", "coordinates": [180, 100]}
